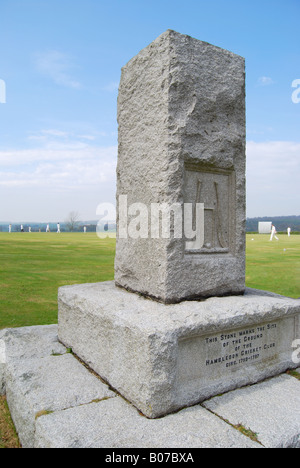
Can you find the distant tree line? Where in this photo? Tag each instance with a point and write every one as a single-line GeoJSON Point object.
{"type": "Point", "coordinates": [72, 225]}
{"type": "Point", "coordinates": [280, 222]}
{"type": "Point", "coordinates": [65, 226]}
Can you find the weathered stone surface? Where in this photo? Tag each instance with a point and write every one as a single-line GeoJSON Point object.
{"type": "Point", "coordinates": [42, 385]}
{"type": "Point", "coordinates": [116, 424]}
{"type": "Point", "coordinates": [164, 357]}
{"type": "Point", "coordinates": [25, 343]}
{"type": "Point", "coordinates": [181, 115]}
{"type": "Point", "coordinates": [2, 363]}
{"type": "Point", "coordinates": [270, 409]}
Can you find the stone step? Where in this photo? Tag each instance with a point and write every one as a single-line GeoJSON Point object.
{"type": "Point", "coordinates": [56, 402]}
{"type": "Point", "coordinates": [271, 409]}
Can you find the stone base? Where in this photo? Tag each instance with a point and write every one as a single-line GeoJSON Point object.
{"type": "Point", "coordinates": [55, 402]}
{"type": "Point", "coordinates": [165, 357]}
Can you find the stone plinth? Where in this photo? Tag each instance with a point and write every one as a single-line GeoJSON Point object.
{"type": "Point", "coordinates": [165, 357]}
{"type": "Point", "coordinates": [181, 116]}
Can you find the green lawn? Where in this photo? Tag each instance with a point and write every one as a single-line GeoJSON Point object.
{"type": "Point", "coordinates": [274, 266]}
{"type": "Point", "coordinates": [33, 267]}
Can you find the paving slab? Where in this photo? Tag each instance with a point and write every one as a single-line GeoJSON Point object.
{"type": "Point", "coordinates": [115, 423]}
{"type": "Point", "coordinates": [25, 343]}
{"type": "Point", "coordinates": [271, 409]}
{"type": "Point", "coordinates": [38, 386]}
{"type": "Point", "coordinates": [55, 401]}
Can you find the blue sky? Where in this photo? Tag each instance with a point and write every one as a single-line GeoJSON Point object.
{"type": "Point", "coordinates": [61, 61]}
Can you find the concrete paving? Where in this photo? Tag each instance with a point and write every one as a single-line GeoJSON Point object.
{"type": "Point", "coordinates": [56, 402]}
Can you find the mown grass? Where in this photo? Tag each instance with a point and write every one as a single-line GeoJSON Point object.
{"type": "Point", "coordinates": [274, 266]}
{"type": "Point", "coordinates": [33, 267]}
{"type": "Point", "coordinates": [8, 435]}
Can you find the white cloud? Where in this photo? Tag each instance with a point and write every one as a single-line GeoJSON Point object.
{"type": "Point", "coordinates": [111, 87]}
{"type": "Point", "coordinates": [283, 156]}
{"type": "Point", "coordinates": [273, 174]}
{"type": "Point", "coordinates": [66, 174]}
{"type": "Point", "coordinates": [55, 133]}
{"type": "Point", "coordinates": [87, 137]}
{"type": "Point", "coordinates": [63, 175]}
{"type": "Point", "coordinates": [48, 182]}
{"type": "Point", "coordinates": [68, 166]}
{"type": "Point", "coordinates": [56, 66]}
{"type": "Point", "coordinates": [44, 135]}
{"type": "Point", "coordinates": [55, 152]}
{"type": "Point", "coordinates": [53, 137]}
{"type": "Point", "coordinates": [265, 81]}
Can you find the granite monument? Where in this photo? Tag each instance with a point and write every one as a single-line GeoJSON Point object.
{"type": "Point", "coordinates": [177, 325]}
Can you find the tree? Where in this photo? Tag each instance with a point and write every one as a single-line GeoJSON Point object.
{"type": "Point", "coordinates": [72, 220]}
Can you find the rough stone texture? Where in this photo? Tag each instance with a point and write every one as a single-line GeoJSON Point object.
{"type": "Point", "coordinates": [111, 422]}
{"type": "Point", "coordinates": [42, 385]}
{"type": "Point", "coordinates": [164, 357]}
{"type": "Point", "coordinates": [181, 115]}
{"type": "Point", "coordinates": [271, 409]}
{"type": "Point", "coordinates": [2, 363]}
{"type": "Point", "coordinates": [25, 343]}
{"type": "Point", "coordinates": [116, 424]}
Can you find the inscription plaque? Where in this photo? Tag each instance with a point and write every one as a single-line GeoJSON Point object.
{"type": "Point", "coordinates": [228, 350]}
{"type": "Point", "coordinates": [220, 361]}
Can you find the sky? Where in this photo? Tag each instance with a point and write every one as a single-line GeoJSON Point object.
{"type": "Point", "coordinates": [60, 66]}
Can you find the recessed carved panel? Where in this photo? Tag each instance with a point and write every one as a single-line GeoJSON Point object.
{"type": "Point", "coordinates": [214, 188]}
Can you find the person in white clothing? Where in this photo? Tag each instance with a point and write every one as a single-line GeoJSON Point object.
{"type": "Point", "coordinates": [273, 233]}
{"type": "Point", "coordinates": [9, 228]}
{"type": "Point", "coordinates": [48, 228]}
{"type": "Point", "coordinates": [289, 231]}
{"type": "Point", "coordinates": [58, 228]}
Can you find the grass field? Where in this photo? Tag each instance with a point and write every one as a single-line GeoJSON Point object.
{"type": "Point", "coordinates": [33, 267]}
{"type": "Point", "coordinates": [274, 266]}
